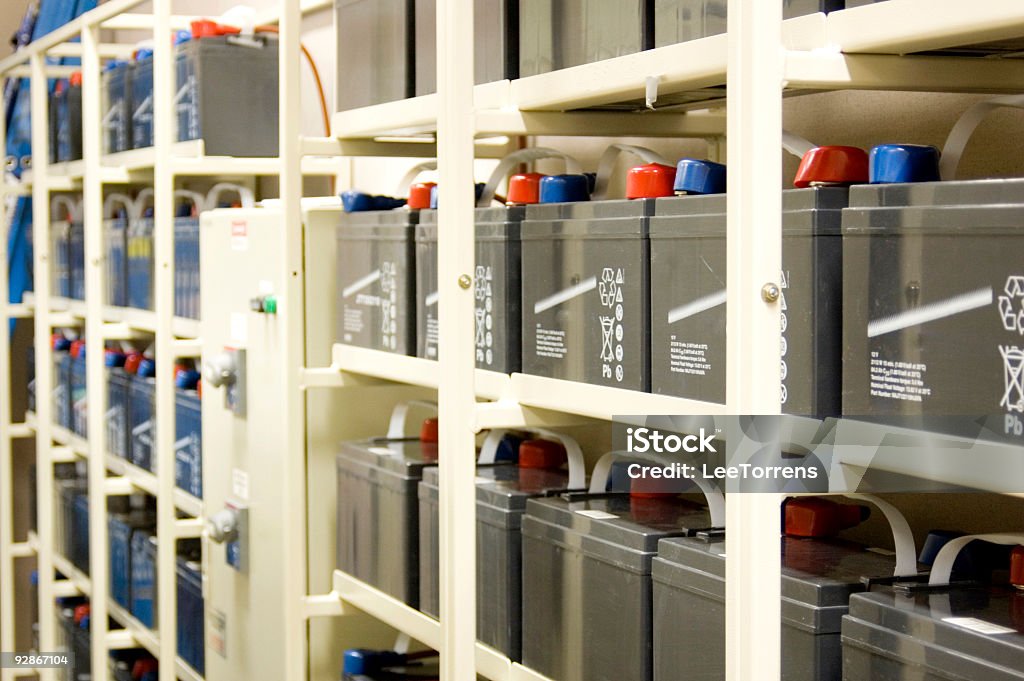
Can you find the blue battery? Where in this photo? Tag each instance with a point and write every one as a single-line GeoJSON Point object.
{"type": "Point", "coordinates": [79, 394]}
{"type": "Point", "coordinates": [76, 259]}
{"type": "Point", "coordinates": [118, 387]}
{"type": "Point", "coordinates": [140, 261]}
{"type": "Point", "coordinates": [188, 436]}
{"type": "Point", "coordinates": [122, 528]}
{"type": "Point", "coordinates": [191, 615]}
{"type": "Point", "coordinates": [116, 243]}
{"type": "Point", "coordinates": [142, 416]}
{"type": "Point", "coordinates": [59, 258]}
{"type": "Point", "coordinates": [62, 382]}
{"type": "Point", "coordinates": [143, 578]}
{"type": "Point", "coordinates": [79, 532]}
{"type": "Point", "coordinates": [117, 106]}
{"type": "Point", "coordinates": [142, 99]}
{"type": "Point", "coordinates": [186, 264]}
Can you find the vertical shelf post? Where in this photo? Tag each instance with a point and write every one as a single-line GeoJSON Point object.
{"type": "Point", "coordinates": [754, 251]}
{"type": "Point", "coordinates": [95, 266]}
{"type": "Point", "coordinates": [290, 316]}
{"type": "Point", "coordinates": [44, 357]}
{"type": "Point", "coordinates": [456, 394]}
{"type": "Point", "coordinates": [163, 305]}
{"type": "Point", "coordinates": [7, 602]}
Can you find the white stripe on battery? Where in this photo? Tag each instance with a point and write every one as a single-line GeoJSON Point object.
{"type": "Point", "coordinates": [695, 307]}
{"type": "Point", "coordinates": [360, 284]}
{"type": "Point", "coordinates": [431, 299]}
{"type": "Point", "coordinates": [931, 312]}
{"type": "Point", "coordinates": [565, 295]}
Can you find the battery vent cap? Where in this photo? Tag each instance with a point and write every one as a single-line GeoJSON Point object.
{"type": "Point", "coordinates": [524, 188]}
{"type": "Point", "coordinates": [832, 165]}
{"type": "Point", "coordinates": [891, 163]}
{"type": "Point", "coordinates": [564, 188]}
{"type": "Point", "coordinates": [650, 181]}
{"type": "Point", "coordinates": [428, 430]}
{"type": "Point", "coordinates": [695, 176]}
{"type": "Point", "coordinates": [816, 517]}
{"type": "Point", "coordinates": [419, 195]}
{"type": "Point", "coordinates": [354, 201]}
{"type": "Point", "coordinates": [546, 454]}
{"type": "Point", "coordinates": [1017, 567]}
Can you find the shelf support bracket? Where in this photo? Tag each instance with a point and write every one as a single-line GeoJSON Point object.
{"type": "Point", "coordinates": [325, 605]}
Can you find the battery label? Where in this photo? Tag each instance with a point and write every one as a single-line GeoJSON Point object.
{"type": "Point", "coordinates": [610, 319]}
{"type": "Point", "coordinates": [898, 380]}
{"type": "Point", "coordinates": [550, 343]}
{"type": "Point", "coordinates": [484, 315]}
{"type": "Point", "coordinates": [688, 358]}
{"type": "Point", "coordinates": [979, 626]}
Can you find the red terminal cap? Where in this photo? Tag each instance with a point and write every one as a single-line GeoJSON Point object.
{"type": "Point", "coordinates": [132, 361]}
{"type": "Point", "coordinates": [650, 181]}
{"type": "Point", "coordinates": [832, 165]}
{"type": "Point", "coordinates": [1017, 567]}
{"type": "Point", "coordinates": [204, 28]}
{"type": "Point", "coordinates": [428, 431]}
{"type": "Point", "coordinates": [143, 666]}
{"type": "Point", "coordinates": [524, 188]}
{"type": "Point", "coordinates": [81, 612]}
{"type": "Point", "coordinates": [199, 388]}
{"type": "Point", "coordinates": [76, 348]}
{"type": "Point", "coordinates": [76, 78]}
{"type": "Point", "coordinates": [419, 195]}
{"type": "Point", "coordinates": [546, 454]}
{"type": "Point", "coordinates": [817, 517]}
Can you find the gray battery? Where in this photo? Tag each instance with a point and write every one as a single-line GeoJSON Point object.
{"type": "Point", "coordinates": [688, 311]}
{"type": "Point", "coordinates": [973, 633]}
{"type": "Point", "coordinates": [375, 51]}
{"type": "Point", "coordinates": [227, 84]}
{"type": "Point", "coordinates": [378, 513]}
{"type": "Point", "coordinates": [587, 589]}
{"type": "Point", "coordinates": [495, 42]}
{"type": "Point", "coordinates": [679, 21]}
{"type": "Point", "coordinates": [557, 34]}
{"type": "Point", "coordinates": [818, 577]}
{"type": "Point", "coordinates": [497, 288]}
{"type": "Point", "coordinates": [377, 280]}
{"type": "Point", "coordinates": [586, 292]}
{"type": "Point", "coordinates": [933, 300]}
{"type": "Point", "coordinates": [501, 494]}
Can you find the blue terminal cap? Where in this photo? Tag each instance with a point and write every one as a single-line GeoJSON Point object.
{"type": "Point", "coordinates": [182, 37]}
{"type": "Point", "coordinates": [143, 53]}
{"type": "Point", "coordinates": [564, 188]}
{"type": "Point", "coordinates": [33, 578]}
{"type": "Point", "coordinates": [433, 197]}
{"type": "Point", "coordinates": [187, 379]}
{"type": "Point", "coordinates": [62, 344]}
{"type": "Point", "coordinates": [114, 64]}
{"type": "Point", "coordinates": [147, 368]}
{"type": "Point", "coordinates": [889, 163]}
{"type": "Point", "coordinates": [695, 176]}
{"type": "Point", "coordinates": [113, 358]}
{"type": "Point", "coordinates": [354, 201]}
{"type": "Point", "coordinates": [185, 210]}
{"type": "Point", "coordinates": [508, 448]}
{"type": "Point", "coordinates": [84, 623]}
{"type": "Point", "coordinates": [359, 661]}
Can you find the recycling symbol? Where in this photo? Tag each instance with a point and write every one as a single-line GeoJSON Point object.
{"type": "Point", "coordinates": [1011, 305]}
{"type": "Point", "coordinates": [610, 288]}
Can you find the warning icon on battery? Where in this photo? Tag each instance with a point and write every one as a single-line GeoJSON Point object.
{"type": "Point", "coordinates": [1013, 389]}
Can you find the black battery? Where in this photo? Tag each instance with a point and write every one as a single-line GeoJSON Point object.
{"type": "Point", "coordinates": [378, 512]}
{"type": "Point", "coordinates": [933, 301]}
{"type": "Point", "coordinates": [501, 494]}
{"type": "Point", "coordinates": [557, 34]}
{"type": "Point", "coordinates": [376, 52]}
{"type": "Point", "coordinates": [957, 633]}
{"type": "Point", "coordinates": [688, 303]}
{"type": "Point", "coordinates": [497, 303]}
{"type": "Point", "coordinates": [587, 587]}
{"type": "Point", "coordinates": [818, 577]}
{"type": "Point", "coordinates": [586, 292]}
{"type": "Point", "coordinates": [224, 86]}
{"type": "Point", "coordinates": [377, 280]}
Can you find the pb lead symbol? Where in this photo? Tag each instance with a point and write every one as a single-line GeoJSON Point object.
{"type": "Point", "coordinates": [1013, 390]}
{"type": "Point", "coordinates": [1011, 305]}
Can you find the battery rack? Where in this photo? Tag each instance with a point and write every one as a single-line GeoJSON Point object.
{"type": "Point", "coordinates": [179, 515]}
{"type": "Point", "coordinates": [871, 47]}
